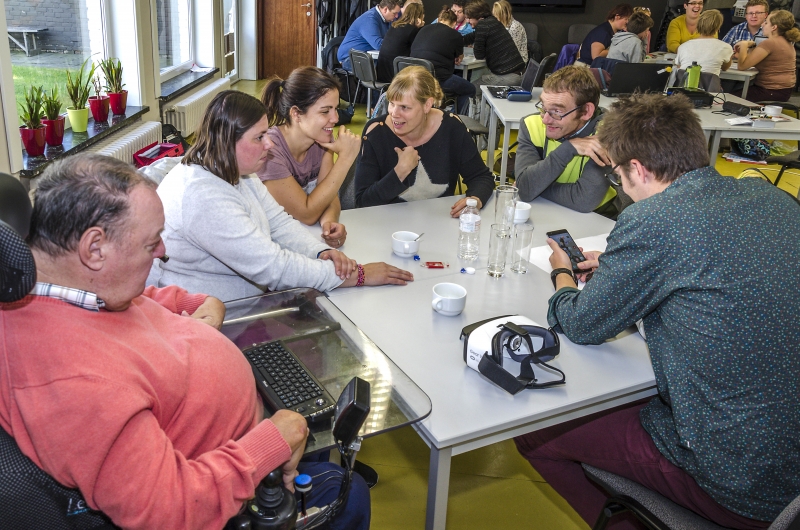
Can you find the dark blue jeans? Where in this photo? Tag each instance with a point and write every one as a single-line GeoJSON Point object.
{"type": "Point", "coordinates": [326, 480]}
{"type": "Point", "coordinates": [462, 88]}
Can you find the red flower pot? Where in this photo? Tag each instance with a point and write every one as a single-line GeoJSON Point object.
{"type": "Point", "coordinates": [54, 131]}
{"type": "Point", "coordinates": [33, 140]}
{"type": "Point", "coordinates": [99, 108]}
{"type": "Point", "coordinates": [119, 102]}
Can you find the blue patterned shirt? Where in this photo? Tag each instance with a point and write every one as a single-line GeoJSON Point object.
{"type": "Point", "coordinates": [740, 32]}
{"type": "Point", "coordinates": [709, 265]}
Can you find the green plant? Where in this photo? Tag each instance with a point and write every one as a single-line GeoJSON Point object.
{"type": "Point", "coordinates": [52, 104]}
{"type": "Point", "coordinates": [78, 89]}
{"type": "Point", "coordinates": [31, 110]}
{"type": "Point", "coordinates": [112, 70]}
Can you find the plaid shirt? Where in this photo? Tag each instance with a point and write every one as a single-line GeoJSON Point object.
{"type": "Point", "coordinates": [740, 32]}
{"type": "Point", "coordinates": [76, 297]}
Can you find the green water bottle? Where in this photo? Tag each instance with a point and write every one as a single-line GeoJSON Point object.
{"type": "Point", "coordinates": [693, 76]}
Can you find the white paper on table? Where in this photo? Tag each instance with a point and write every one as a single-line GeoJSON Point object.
{"type": "Point", "coordinates": [540, 256]}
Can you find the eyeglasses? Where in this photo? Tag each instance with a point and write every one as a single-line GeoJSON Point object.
{"type": "Point", "coordinates": [555, 114]}
{"type": "Point", "coordinates": [613, 177]}
{"type": "Point", "coordinates": [755, 14]}
{"type": "Point", "coordinates": [694, 4]}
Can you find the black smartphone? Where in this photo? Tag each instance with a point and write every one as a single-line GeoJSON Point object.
{"type": "Point", "coordinates": [568, 245]}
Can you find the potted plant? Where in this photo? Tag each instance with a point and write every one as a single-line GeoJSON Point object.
{"type": "Point", "coordinates": [98, 103]}
{"type": "Point", "coordinates": [32, 131]}
{"type": "Point", "coordinates": [54, 122]}
{"type": "Point", "coordinates": [112, 70]}
{"type": "Point", "coordinates": [78, 92]}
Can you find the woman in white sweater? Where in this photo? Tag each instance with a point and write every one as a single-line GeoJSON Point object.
{"type": "Point", "coordinates": [502, 12]}
{"type": "Point", "coordinates": [225, 235]}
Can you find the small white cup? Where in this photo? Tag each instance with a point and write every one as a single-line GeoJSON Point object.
{"type": "Point", "coordinates": [522, 212]}
{"type": "Point", "coordinates": [449, 299]}
{"type": "Point", "coordinates": [773, 110]}
{"type": "Point", "coordinates": [403, 244]}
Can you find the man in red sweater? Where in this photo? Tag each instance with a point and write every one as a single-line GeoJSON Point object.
{"type": "Point", "coordinates": [130, 394]}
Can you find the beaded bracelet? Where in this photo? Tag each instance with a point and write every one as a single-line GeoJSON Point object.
{"type": "Point", "coordinates": [361, 276]}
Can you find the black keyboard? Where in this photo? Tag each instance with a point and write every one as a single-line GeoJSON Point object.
{"type": "Point", "coordinates": [284, 383]}
{"type": "Point", "coordinates": [501, 92]}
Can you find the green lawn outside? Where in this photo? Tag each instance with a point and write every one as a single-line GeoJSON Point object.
{"type": "Point", "coordinates": [25, 76]}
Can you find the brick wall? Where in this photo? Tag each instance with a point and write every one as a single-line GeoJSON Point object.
{"type": "Point", "coordinates": [64, 20]}
{"type": "Point", "coordinates": [168, 16]}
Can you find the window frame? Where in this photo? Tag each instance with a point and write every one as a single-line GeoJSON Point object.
{"type": "Point", "coordinates": [185, 66]}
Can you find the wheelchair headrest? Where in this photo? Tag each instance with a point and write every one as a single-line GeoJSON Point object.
{"type": "Point", "coordinates": [17, 268]}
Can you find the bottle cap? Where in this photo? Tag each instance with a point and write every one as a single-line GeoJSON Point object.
{"type": "Point", "coordinates": [302, 482]}
{"type": "Point", "coordinates": [472, 202]}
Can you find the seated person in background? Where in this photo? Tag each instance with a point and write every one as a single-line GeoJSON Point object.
{"type": "Point", "coordinates": [443, 46]}
{"type": "Point", "coordinates": [688, 259]}
{"type": "Point", "coordinates": [417, 151]}
{"type": "Point", "coordinates": [367, 32]}
{"type": "Point", "coordinates": [631, 45]}
{"type": "Point", "coordinates": [774, 58]}
{"type": "Point", "coordinates": [712, 54]}
{"type": "Point", "coordinates": [502, 12]}
{"type": "Point", "coordinates": [559, 156]}
{"type": "Point", "coordinates": [492, 41]}
{"type": "Point", "coordinates": [683, 28]}
{"type": "Point", "coordinates": [461, 25]}
{"type": "Point", "coordinates": [225, 233]}
{"type": "Point", "coordinates": [299, 172]}
{"type": "Point", "coordinates": [151, 413]}
{"type": "Point", "coordinates": [397, 42]}
{"type": "Point", "coordinates": [755, 13]}
{"type": "Point", "coordinates": [598, 40]}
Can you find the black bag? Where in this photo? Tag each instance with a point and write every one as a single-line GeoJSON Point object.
{"type": "Point", "coordinates": [346, 114]}
{"type": "Point", "coordinates": [751, 148]}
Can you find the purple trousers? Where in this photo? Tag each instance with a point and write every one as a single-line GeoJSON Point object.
{"type": "Point", "coordinates": [616, 441]}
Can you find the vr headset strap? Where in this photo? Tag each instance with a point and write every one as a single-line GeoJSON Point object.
{"type": "Point", "coordinates": [499, 376]}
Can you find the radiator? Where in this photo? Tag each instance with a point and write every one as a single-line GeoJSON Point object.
{"type": "Point", "coordinates": [187, 113]}
{"type": "Point", "coordinates": [129, 140]}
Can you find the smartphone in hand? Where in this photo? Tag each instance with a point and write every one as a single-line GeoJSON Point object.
{"type": "Point", "coordinates": [568, 245]}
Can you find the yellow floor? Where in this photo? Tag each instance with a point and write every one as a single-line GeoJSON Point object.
{"type": "Point", "coordinates": [490, 488]}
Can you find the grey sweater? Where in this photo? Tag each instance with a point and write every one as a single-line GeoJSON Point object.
{"type": "Point", "coordinates": [233, 241]}
{"type": "Point", "coordinates": [626, 46]}
{"type": "Point", "coordinates": [537, 176]}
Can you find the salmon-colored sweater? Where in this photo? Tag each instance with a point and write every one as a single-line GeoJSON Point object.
{"type": "Point", "coordinates": [152, 415]}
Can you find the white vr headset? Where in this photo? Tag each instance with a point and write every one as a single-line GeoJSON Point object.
{"type": "Point", "coordinates": [485, 342]}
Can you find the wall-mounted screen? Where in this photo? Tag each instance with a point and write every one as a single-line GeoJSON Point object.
{"type": "Point", "coordinates": [550, 6]}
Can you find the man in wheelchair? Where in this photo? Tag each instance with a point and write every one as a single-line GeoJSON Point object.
{"type": "Point", "coordinates": [128, 394]}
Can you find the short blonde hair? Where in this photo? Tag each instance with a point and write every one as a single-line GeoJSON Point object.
{"type": "Point", "coordinates": [416, 81]}
{"type": "Point", "coordinates": [502, 12]}
{"type": "Point", "coordinates": [709, 23]}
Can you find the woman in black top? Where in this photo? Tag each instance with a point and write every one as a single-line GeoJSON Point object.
{"type": "Point", "coordinates": [417, 152]}
{"type": "Point", "coordinates": [444, 47]}
{"type": "Point", "coordinates": [397, 42]}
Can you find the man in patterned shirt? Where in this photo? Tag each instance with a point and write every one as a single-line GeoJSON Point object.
{"type": "Point", "coordinates": [700, 259]}
{"type": "Point", "coordinates": [755, 13]}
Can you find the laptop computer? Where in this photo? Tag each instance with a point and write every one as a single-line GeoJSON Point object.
{"type": "Point", "coordinates": [637, 77]}
{"type": "Point", "coordinates": [501, 92]}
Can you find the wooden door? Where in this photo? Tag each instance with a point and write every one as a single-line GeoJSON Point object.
{"type": "Point", "coordinates": [287, 36]}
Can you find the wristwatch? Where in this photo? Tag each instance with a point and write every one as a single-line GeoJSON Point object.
{"type": "Point", "coordinates": [562, 270]}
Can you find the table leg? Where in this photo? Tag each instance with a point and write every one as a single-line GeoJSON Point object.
{"type": "Point", "coordinates": [712, 153]}
{"type": "Point", "coordinates": [504, 154]}
{"type": "Point", "coordinates": [746, 86]}
{"type": "Point", "coordinates": [491, 140]}
{"type": "Point", "coordinates": [465, 72]}
{"type": "Point", "coordinates": [438, 487]}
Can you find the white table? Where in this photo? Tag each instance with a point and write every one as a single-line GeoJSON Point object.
{"type": "Point", "coordinates": [468, 411]}
{"type": "Point", "coordinates": [469, 62]}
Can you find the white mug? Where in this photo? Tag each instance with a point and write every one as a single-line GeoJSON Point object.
{"type": "Point", "coordinates": [449, 299]}
{"type": "Point", "coordinates": [522, 212]}
{"type": "Point", "coordinates": [772, 110]}
{"type": "Point", "coordinates": [404, 244]}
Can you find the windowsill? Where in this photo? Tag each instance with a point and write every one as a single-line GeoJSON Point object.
{"type": "Point", "coordinates": [77, 142]}
{"type": "Point", "coordinates": [183, 83]}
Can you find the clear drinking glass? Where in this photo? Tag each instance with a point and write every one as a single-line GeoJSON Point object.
{"type": "Point", "coordinates": [499, 242]}
{"type": "Point", "coordinates": [521, 247]}
{"type": "Point", "coordinates": [505, 202]}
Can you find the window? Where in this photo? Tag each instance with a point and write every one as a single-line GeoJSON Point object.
{"type": "Point", "coordinates": [174, 24]}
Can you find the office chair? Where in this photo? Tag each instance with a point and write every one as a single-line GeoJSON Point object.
{"type": "Point", "coordinates": [658, 512]}
{"type": "Point", "coordinates": [532, 34]}
{"type": "Point", "coordinates": [364, 69]}
{"type": "Point", "coordinates": [577, 32]}
{"type": "Point", "coordinates": [545, 68]}
{"type": "Point", "coordinates": [401, 62]}
{"type": "Point", "coordinates": [604, 63]}
{"type": "Point", "coordinates": [708, 81]}
{"type": "Point", "coordinates": [331, 64]}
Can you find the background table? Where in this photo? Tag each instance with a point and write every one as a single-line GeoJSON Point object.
{"type": "Point", "coordinates": [469, 62]}
{"type": "Point", "coordinates": [468, 411]}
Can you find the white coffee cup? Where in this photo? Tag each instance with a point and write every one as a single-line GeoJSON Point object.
{"type": "Point", "coordinates": [773, 110]}
{"type": "Point", "coordinates": [522, 212]}
{"type": "Point", "coordinates": [404, 244]}
{"type": "Point", "coordinates": [449, 299]}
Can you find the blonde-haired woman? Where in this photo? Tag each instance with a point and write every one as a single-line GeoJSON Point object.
{"type": "Point", "coordinates": [417, 151]}
{"type": "Point", "coordinates": [398, 40]}
{"type": "Point", "coordinates": [502, 12]}
{"type": "Point", "coordinates": [713, 55]}
{"type": "Point", "coordinates": [774, 58]}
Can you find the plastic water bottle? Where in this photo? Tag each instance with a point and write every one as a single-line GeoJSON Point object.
{"type": "Point", "coordinates": [469, 234]}
{"type": "Point", "coordinates": [693, 75]}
